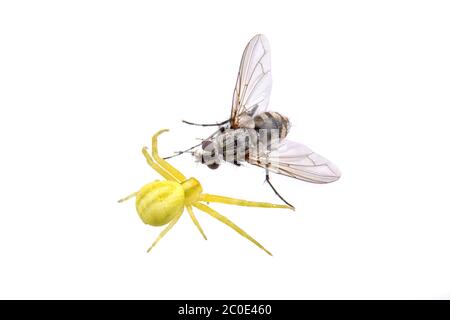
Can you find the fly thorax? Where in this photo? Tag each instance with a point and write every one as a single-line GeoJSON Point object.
{"type": "Point", "coordinates": [198, 155]}
{"type": "Point", "coordinates": [246, 121]}
{"type": "Point", "coordinates": [233, 145]}
{"type": "Point", "coordinates": [192, 190]}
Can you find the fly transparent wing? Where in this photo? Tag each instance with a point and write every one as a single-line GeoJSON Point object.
{"type": "Point", "coordinates": [296, 160]}
{"type": "Point", "coordinates": [254, 81]}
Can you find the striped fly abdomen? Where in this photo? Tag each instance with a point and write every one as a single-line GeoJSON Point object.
{"type": "Point", "coordinates": [270, 122]}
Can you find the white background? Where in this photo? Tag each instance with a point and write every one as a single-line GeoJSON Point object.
{"type": "Point", "coordinates": [84, 85]}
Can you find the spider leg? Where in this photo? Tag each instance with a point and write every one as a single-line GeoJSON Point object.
{"type": "Point", "coordinates": [194, 219]}
{"type": "Point", "coordinates": [164, 232]}
{"type": "Point", "coordinates": [238, 202]}
{"type": "Point", "coordinates": [156, 167]}
{"type": "Point", "coordinates": [226, 221]}
{"type": "Point", "coordinates": [169, 168]}
{"type": "Point", "coordinates": [128, 197]}
{"type": "Point", "coordinates": [275, 190]}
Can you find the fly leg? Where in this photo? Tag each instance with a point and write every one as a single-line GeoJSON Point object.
{"type": "Point", "coordinates": [178, 153]}
{"type": "Point", "coordinates": [206, 124]}
{"type": "Point", "coordinates": [275, 190]}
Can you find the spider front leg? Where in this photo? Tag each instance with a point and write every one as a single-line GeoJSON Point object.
{"type": "Point", "coordinates": [160, 165]}
{"type": "Point", "coordinates": [167, 175]}
{"type": "Point", "coordinates": [155, 167]}
{"type": "Point", "coordinates": [163, 163]}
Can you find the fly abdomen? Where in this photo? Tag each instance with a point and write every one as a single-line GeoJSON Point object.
{"type": "Point", "coordinates": [269, 121]}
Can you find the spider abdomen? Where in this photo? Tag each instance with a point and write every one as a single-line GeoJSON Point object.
{"type": "Point", "coordinates": [159, 202]}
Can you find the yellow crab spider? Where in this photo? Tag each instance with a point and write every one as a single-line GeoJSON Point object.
{"type": "Point", "coordinates": [161, 203]}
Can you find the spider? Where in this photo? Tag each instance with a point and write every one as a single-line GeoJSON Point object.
{"type": "Point", "coordinates": [162, 203]}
